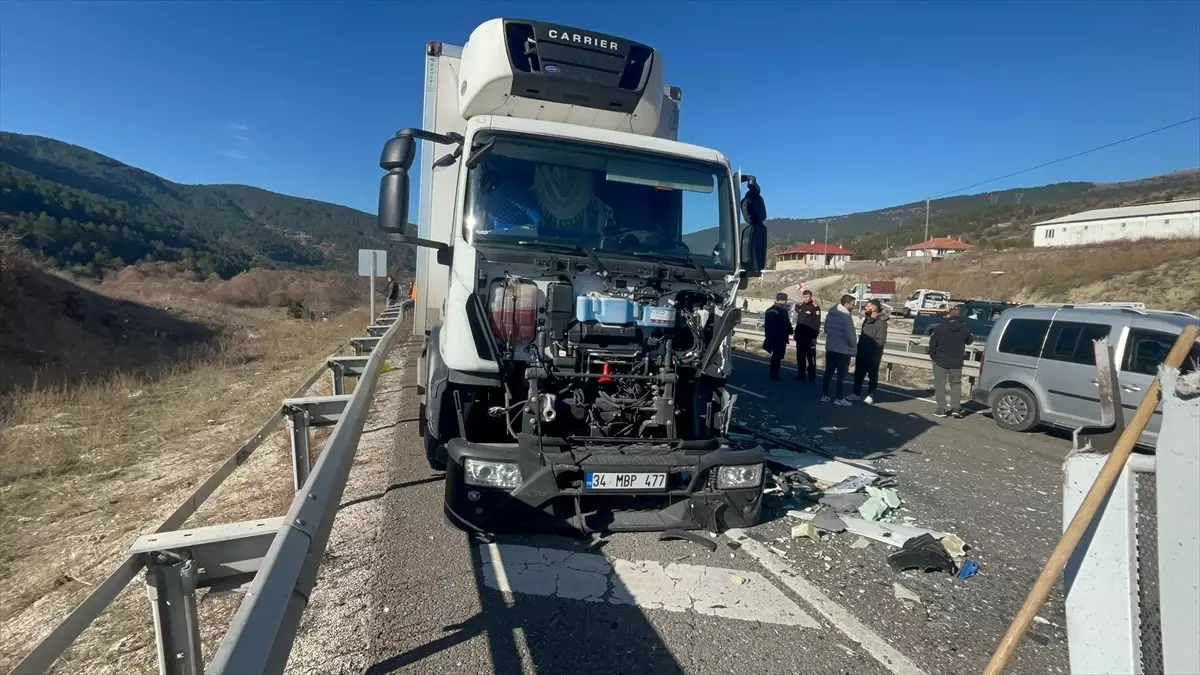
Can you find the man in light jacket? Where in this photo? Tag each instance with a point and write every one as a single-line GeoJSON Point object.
{"type": "Point", "coordinates": [870, 351]}
{"type": "Point", "coordinates": [841, 343]}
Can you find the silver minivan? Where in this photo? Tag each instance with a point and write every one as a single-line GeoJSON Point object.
{"type": "Point", "coordinates": [1039, 364]}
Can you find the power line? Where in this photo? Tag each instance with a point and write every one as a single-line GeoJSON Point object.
{"type": "Point", "coordinates": [1063, 159]}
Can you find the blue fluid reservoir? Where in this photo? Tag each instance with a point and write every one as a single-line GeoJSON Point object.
{"type": "Point", "coordinates": [612, 311]}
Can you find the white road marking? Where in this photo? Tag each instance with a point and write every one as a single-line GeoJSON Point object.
{"type": "Point", "coordinates": [744, 391]}
{"type": "Point", "coordinates": [883, 387]}
{"type": "Point", "coordinates": [646, 584]}
{"type": "Point", "coordinates": [834, 613]}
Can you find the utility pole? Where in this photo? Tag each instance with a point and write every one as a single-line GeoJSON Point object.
{"type": "Point", "coordinates": [926, 219]}
{"type": "Point", "coordinates": [826, 251]}
{"type": "Point", "coordinates": [926, 253]}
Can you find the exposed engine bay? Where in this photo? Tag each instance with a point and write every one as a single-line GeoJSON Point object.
{"type": "Point", "coordinates": [589, 356]}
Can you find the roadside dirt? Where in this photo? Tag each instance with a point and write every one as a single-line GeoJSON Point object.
{"type": "Point", "coordinates": [85, 469]}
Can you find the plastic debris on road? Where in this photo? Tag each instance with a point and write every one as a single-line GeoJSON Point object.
{"type": "Point", "coordinates": [905, 595]}
{"type": "Point", "coordinates": [805, 530]}
{"type": "Point", "coordinates": [879, 502]}
{"type": "Point", "coordinates": [924, 553]}
{"type": "Point", "coordinates": [969, 569]}
{"type": "Point", "coordinates": [824, 471]}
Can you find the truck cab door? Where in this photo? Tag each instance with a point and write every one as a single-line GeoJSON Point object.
{"type": "Point", "coordinates": [1144, 350]}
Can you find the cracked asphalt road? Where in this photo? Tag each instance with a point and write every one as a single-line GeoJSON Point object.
{"type": "Point", "coordinates": [402, 591]}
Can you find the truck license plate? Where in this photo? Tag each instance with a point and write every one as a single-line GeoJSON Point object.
{"type": "Point", "coordinates": [626, 481]}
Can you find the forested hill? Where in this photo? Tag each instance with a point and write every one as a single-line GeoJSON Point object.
{"type": "Point", "coordinates": [78, 208]}
{"type": "Point", "coordinates": [997, 219]}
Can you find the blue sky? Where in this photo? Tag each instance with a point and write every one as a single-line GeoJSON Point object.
{"type": "Point", "coordinates": [837, 107]}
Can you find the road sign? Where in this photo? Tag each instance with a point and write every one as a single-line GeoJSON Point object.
{"type": "Point", "coordinates": [372, 262]}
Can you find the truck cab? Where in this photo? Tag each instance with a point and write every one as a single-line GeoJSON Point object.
{"type": "Point", "coordinates": [576, 348]}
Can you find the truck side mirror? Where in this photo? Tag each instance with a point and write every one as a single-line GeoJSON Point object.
{"type": "Point", "coordinates": [397, 158]}
{"type": "Point", "coordinates": [754, 235]}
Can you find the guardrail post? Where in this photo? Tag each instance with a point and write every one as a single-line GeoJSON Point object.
{"type": "Point", "coordinates": [171, 585]}
{"type": "Point", "coordinates": [338, 371]}
{"type": "Point", "coordinates": [298, 419]}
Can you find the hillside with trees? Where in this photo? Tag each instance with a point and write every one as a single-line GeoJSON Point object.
{"type": "Point", "coordinates": [989, 219]}
{"type": "Point", "coordinates": [78, 209]}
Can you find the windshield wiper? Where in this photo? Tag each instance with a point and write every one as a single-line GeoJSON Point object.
{"type": "Point", "coordinates": [571, 249]}
{"type": "Point", "coordinates": [677, 259]}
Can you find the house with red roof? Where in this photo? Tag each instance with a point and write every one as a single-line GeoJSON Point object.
{"type": "Point", "coordinates": [937, 247]}
{"type": "Point", "coordinates": [812, 256]}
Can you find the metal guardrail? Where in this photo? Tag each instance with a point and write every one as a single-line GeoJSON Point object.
{"type": "Point", "coordinates": [274, 560]}
{"type": "Point", "coordinates": [912, 356]}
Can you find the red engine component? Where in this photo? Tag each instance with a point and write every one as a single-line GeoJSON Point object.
{"type": "Point", "coordinates": [513, 311]}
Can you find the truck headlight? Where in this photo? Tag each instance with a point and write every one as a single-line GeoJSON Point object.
{"type": "Point", "coordinates": [736, 477]}
{"type": "Point", "coordinates": [505, 475]}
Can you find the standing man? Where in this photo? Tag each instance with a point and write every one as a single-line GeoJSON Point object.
{"type": "Point", "coordinates": [776, 327]}
{"type": "Point", "coordinates": [840, 344]}
{"type": "Point", "coordinates": [393, 291]}
{"type": "Point", "coordinates": [870, 351]}
{"type": "Point", "coordinates": [947, 348]}
{"type": "Point", "coordinates": [808, 327]}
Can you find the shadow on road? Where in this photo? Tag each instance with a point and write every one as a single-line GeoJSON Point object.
{"type": "Point", "coordinates": [562, 617]}
{"type": "Point", "coordinates": [793, 409]}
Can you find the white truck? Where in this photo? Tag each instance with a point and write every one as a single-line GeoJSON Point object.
{"type": "Point", "coordinates": [926, 301]}
{"type": "Point", "coordinates": [577, 350]}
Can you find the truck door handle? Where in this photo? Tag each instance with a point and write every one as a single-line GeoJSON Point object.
{"type": "Point", "coordinates": [1127, 387]}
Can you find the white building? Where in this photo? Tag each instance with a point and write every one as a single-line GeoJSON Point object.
{"type": "Point", "coordinates": [812, 256]}
{"type": "Point", "coordinates": [937, 247]}
{"type": "Point", "coordinates": [1162, 220]}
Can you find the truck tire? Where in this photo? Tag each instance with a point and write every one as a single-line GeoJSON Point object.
{"type": "Point", "coordinates": [1015, 409]}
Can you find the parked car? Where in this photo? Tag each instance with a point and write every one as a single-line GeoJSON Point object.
{"type": "Point", "coordinates": [979, 315]}
{"type": "Point", "coordinates": [1039, 364]}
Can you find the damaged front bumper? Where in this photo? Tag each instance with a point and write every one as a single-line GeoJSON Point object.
{"type": "Point", "coordinates": [559, 490]}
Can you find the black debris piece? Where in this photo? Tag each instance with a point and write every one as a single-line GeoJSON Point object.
{"type": "Point", "coordinates": [924, 553]}
{"type": "Point", "coordinates": [672, 535]}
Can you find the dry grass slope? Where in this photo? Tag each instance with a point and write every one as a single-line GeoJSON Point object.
{"type": "Point", "coordinates": [1162, 274]}
{"type": "Point", "coordinates": [87, 464]}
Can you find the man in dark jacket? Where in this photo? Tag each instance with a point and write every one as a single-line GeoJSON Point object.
{"type": "Point", "coordinates": [393, 291]}
{"type": "Point", "coordinates": [947, 348]}
{"type": "Point", "coordinates": [808, 328]}
{"type": "Point", "coordinates": [777, 326]}
{"type": "Point", "coordinates": [870, 351]}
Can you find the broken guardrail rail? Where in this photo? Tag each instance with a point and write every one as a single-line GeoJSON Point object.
{"type": "Point", "coordinates": [275, 560]}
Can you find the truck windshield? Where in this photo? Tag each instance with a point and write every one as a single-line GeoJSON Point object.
{"type": "Point", "coordinates": [608, 199]}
